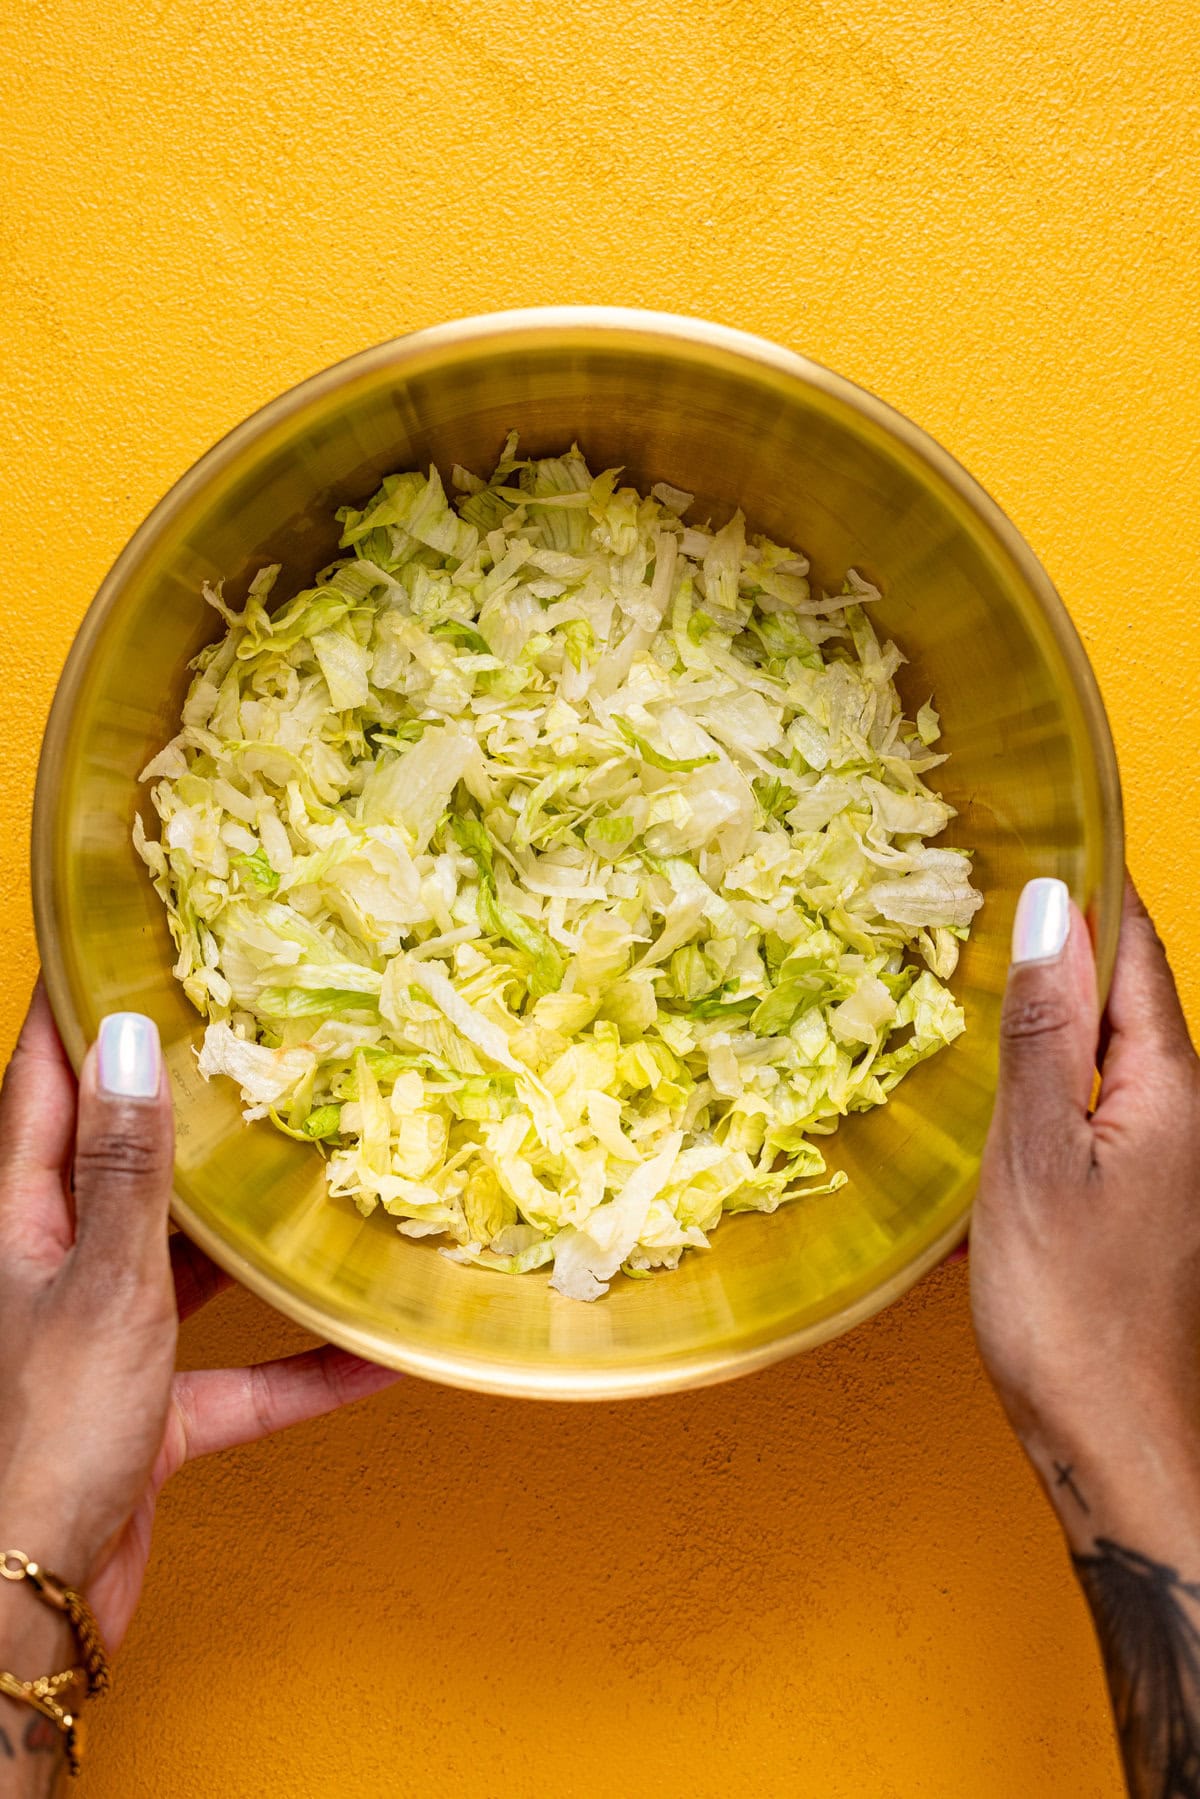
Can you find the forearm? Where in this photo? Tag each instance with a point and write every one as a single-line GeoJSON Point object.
{"type": "Point", "coordinates": [31, 1753]}
{"type": "Point", "coordinates": [1130, 1510]}
{"type": "Point", "coordinates": [33, 1641]}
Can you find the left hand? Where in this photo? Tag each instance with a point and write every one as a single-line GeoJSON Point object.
{"type": "Point", "coordinates": [93, 1417]}
{"type": "Point", "coordinates": [1085, 1239]}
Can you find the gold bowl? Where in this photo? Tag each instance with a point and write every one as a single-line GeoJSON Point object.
{"type": "Point", "coordinates": [814, 462]}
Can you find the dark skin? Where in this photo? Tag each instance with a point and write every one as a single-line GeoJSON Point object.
{"type": "Point", "coordinates": [1085, 1278]}
{"type": "Point", "coordinates": [1085, 1284]}
{"type": "Point", "coordinates": [94, 1420]}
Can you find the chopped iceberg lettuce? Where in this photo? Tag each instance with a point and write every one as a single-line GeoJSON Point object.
{"type": "Point", "coordinates": [560, 868]}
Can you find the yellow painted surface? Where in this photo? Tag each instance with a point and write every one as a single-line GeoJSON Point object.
{"type": "Point", "coordinates": [835, 1579]}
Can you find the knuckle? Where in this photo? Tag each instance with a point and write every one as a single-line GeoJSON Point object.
{"type": "Point", "coordinates": [1178, 1058]}
{"type": "Point", "coordinates": [117, 1154]}
{"type": "Point", "coordinates": [1168, 1091]}
{"type": "Point", "coordinates": [1035, 1164]}
{"type": "Point", "coordinates": [339, 1380]}
{"type": "Point", "coordinates": [1034, 1015]}
{"type": "Point", "coordinates": [261, 1401]}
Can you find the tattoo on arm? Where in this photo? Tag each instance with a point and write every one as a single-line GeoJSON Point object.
{"type": "Point", "coordinates": [1065, 1477]}
{"type": "Point", "coordinates": [41, 1737]}
{"type": "Point", "coordinates": [1148, 1623]}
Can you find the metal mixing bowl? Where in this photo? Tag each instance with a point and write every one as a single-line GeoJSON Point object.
{"type": "Point", "coordinates": [814, 462]}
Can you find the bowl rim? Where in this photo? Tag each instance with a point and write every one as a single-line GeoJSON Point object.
{"type": "Point", "coordinates": [516, 1380]}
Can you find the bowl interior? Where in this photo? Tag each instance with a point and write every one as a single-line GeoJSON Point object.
{"type": "Point", "coordinates": [812, 462]}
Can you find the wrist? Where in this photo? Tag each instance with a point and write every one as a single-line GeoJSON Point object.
{"type": "Point", "coordinates": [1128, 1473]}
{"type": "Point", "coordinates": [34, 1639]}
{"type": "Point", "coordinates": [51, 1534]}
{"type": "Point", "coordinates": [37, 1640]}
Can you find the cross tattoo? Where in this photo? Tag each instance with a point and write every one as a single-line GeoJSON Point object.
{"type": "Point", "coordinates": [1065, 1473]}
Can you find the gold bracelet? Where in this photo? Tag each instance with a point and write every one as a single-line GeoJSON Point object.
{"type": "Point", "coordinates": [42, 1695]}
{"type": "Point", "coordinates": [16, 1565]}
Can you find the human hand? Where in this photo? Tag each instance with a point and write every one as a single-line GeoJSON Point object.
{"type": "Point", "coordinates": [1085, 1242]}
{"type": "Point", "coordinates": [93, 1418]}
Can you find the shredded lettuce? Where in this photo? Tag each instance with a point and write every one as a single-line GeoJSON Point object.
{"type": "Point", "coordinates": [559, 867]}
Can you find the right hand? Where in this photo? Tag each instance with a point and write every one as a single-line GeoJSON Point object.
{"type": "Point", "coordinates": [93, 1418]}
{"type": "Point", "coordinates": [1085, 1242]}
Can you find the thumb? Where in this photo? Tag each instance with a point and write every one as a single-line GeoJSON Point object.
{"type": "Point", "coordinates": [124, 1145]}
{"type": "Point", "coordinates": [1049, 1027]}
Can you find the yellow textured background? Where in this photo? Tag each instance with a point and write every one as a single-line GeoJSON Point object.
{"type": "Point", "coordinates": [836, 1578]}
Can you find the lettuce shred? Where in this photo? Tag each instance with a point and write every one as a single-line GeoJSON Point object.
{"type": "Point", "coordinates": [559, 867]}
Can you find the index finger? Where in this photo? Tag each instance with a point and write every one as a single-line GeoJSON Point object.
{"type": "Point", "coordinates": [37, 1128]}
{"type": "Point", "coordinates": [221, 1407]}
{"type": "Point", "coordinates": [1144, 1016]}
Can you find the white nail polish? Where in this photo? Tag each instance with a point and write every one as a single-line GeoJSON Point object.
{"type": "Point", "coordinates": [128, 1056]}
{"type": "Point", "coordinates": [1043, 920]}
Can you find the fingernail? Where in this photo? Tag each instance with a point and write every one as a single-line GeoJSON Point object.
{"type": "Point", "coordinates": [128, 1056]}
{"type": "Point", "coordinates": [1043, 920]}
